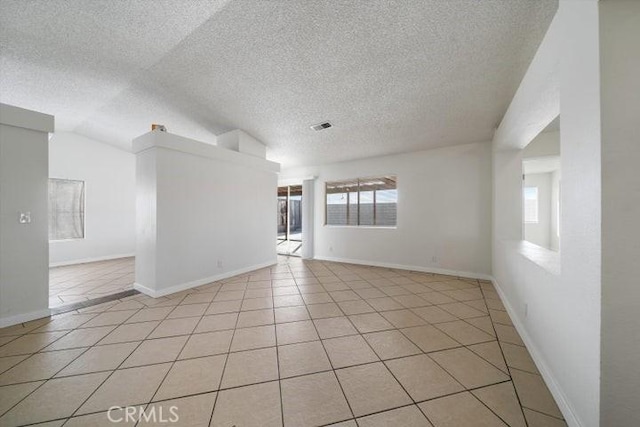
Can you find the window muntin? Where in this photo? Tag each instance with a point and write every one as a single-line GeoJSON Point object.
{"type": "Point", "coordinates": [362, 202]}
{"type": "Point", "coordinates": [66, 209]}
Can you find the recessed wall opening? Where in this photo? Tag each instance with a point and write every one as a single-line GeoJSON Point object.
{"type": "Point", "coordinates": [541, 188]}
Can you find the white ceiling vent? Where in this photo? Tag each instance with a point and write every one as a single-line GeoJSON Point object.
{"type": "Point", "coordinates": [321, 126]}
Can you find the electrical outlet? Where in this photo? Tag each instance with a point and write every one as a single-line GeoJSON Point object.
{"type": "Point", "coordinates": [330, 248]}
{"type": "Point", "coordinates": [434, 259]}
{"type": "Point", "coordinates": [526, 310]}
{"type": "Point", "coordinates": [219, 264]}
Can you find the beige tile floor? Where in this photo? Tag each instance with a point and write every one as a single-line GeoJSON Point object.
{"type": "Point", "coordinates": [82, 282]}
{"type": "Point", "coordinates": [299, 344]}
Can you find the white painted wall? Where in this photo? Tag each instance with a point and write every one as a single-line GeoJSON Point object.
{"type": "Point", "coordinates": [539, 233]}
{"type": "Point", "coordinates": [444, 211]}
{"type": "Point", "coordinates": [240, 141]}
{"type": "Point", "coordinates": [24, 254]}
{"type": "Point", "coordinates": [204, 213]}
{"type": "Point", "coordinates": [308, 218]}
{"type": "Point", "coordinates": [562, 291]}
{"type": "Point", "coordinates": [620, 86]}
{"type": "Point", "coordinates": [544, 145]}
{"type": "Point", "coordinates": [109, 174]}
{"type": "Point", "coordinates": [556, 211]}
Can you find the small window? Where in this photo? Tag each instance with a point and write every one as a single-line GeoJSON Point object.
{"type": "Point", "coordinates": [362, 202]}
{"type": "Point", "coordinates": [531, 205]}
{"type": "Point", "coordinates": [66, 209]}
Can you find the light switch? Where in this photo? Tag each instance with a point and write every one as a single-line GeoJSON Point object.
{"type": "Point", "coordinates": [25, 218]}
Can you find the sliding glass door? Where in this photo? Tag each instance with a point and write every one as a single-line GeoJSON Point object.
{"type": "Point", "coordinates": [289, 220]}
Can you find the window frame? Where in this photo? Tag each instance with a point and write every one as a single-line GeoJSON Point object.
{"type": "Point", "coordinates": [84, 210]}
{"type": "Point", "coordinates": [349, 203]}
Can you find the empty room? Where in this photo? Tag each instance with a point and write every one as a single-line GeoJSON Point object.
{"type": "Point", "coordinates": [353, 213]}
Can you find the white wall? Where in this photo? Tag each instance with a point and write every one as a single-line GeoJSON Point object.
{"type": "Point", "coordinates": [24, 271]}
{"type": "Point", "coordinates": [556, 211]}
{"type": "Point", "coordinates": [544, 145]}
{"type": "Point", "coordinates": [554, 299]}
{"type": "Point", "coordinates": [308, 186]}
{"type": "Point", "coordinates": [539, 233]}
{"type": "Point", "coordinates": [204, 213]}
{"type": "Point", "coordinates": [444, 211]}
{"type": "Point", "coordinates": [109, 174]}
{"type": "Point", "coordinates": [620, 86]}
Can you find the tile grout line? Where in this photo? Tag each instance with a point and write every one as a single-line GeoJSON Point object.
{"type": "Point", "coordinates": [112, 372]}
{"type": "Point", "coordinates": [173, 363]}
{"type": "Point", "coordinates": [529, 408]}
{"type": "Point", "coordinates": [515, 390]}
{"type": "Point", "coordinates": [52, 377]}
{"type": "Point", "coordinates": [226, 360]}
{"type": "Point", "coordinates": [292, 272]}
{"type": "Point", "coordinates": [335, 375]}
{"type": "Point", "coordinates": [275, 333]}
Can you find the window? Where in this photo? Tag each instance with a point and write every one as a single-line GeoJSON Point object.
{"type": "Point", "coordinates": [531, 205]}
{"type": "Point", "coordinates": [362, 202]}
{"type": "Point", "coordinates": [66, 209]}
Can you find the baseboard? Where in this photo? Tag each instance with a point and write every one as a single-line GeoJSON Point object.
{"type": "Point", "coordinates": [22, 318]}
{"type": "Point", "coordinates": [570, 416]}
{"type": "Point", "coordinates": [457, 273]}
{"type": "Point", "coordinates": [188, 285]}
{"type": "Point", "coordinates": [93, 259]}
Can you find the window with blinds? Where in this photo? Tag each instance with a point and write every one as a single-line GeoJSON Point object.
{"type": "Point", "coordinates": [66, 209]}
{"type": "Point", "coordinates": [530, 205]}
{"type": "Point", "coordinates": [362, 202]}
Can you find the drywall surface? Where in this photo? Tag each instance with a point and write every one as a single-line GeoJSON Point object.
{"type": "Point", "coordinates": [203, 213]}
{"type": "Point", "coordinates": [537, 101]}
{"type": "Point", "coordinates": [543, 145]}
{"type": "Point", "coordinates": [444, 211]}
{"type": "Point", "coordinates": [24, 253]}
{"type": "Point", "coordinates": [556, 211]}
{"type": "Point", "coordinates": [620, 86]}
{"type": "Point", "coordinates": [539, 233]}
{"type": "Point", "coordinates": [307, 218]}
{"type": "Point", "coordinates": [557, 310]}
{"type": "Point", "coordinates": [110, 200]}
{"type": "Point", "coordinates": [240, 141]}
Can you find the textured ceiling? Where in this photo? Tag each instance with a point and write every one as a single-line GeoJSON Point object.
{"type": "Point", "coordinates": [391, 76]}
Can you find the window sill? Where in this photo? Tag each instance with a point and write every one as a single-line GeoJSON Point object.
{"type": "Point", "coordinates": [545, 258]}
{"type": "Point", "coordinates": [374, 227]}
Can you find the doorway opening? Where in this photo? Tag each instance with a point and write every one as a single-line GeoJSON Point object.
{"type": "Point", "coordinates": [289, 241]}
{"type": "Point", "coordinates": [91, 222]}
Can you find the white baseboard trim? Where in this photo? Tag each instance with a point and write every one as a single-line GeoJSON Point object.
{"type": "Point", "coordinates": [466, 274]}
{"type": "Point", "coordinates": [569, 415]}
{"type": "Point", "coordinates": [188, 285]}
{"type": "Point", "coordinates": [86, 260]}
{"type": "Point", "coordinates": [22, 318]}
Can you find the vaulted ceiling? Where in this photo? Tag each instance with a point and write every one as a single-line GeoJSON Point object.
{"type": "Point", "coordinates": [391, 76]}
